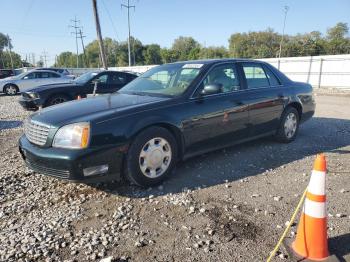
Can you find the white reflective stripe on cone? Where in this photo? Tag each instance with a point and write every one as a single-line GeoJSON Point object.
{"type": "Point", "coordinates": [315, 209]}
{"type": "Point", "coordinates": [317, 185]}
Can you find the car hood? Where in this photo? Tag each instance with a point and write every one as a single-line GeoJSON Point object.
{"type": "Point", "coordinates": [51, 86]}
{"type": "Point", "coordinates": [10, 78]}
{"type": "Point", "coordinates": [91, 108]}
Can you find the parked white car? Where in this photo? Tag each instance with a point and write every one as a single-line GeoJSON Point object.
{"type": "Point", "coordinates": [27, 80]}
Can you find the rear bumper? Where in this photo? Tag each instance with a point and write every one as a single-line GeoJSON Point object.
{"type": "Point", "coordinates": [69, 164]}
{"type": "Point", "coordinates": [308, 111]}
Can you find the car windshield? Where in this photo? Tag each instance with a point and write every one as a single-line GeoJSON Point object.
{"type": "Point", "coordinates": [85, 77]}
{"type": "Point", "coordinates": [21, 75]}
{"type": "Point", "coordinates": [165, 80]}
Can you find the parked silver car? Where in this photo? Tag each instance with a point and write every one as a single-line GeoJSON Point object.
{"type": "Point", "coordinates": [27, 80]}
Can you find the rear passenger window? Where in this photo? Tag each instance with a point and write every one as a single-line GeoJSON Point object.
{"type": "Point", "coordinates": [54, 75]}
{"type": "Point", "coordinates": [272, 78]}
{"type": "Point", "coordinates": [255, 76]}
{"type": "Point", "coordinates": [117, 79]}
{"type": "Point", "coordinates": [44, 75]}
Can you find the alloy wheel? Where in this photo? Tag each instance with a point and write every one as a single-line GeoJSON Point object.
{"type": "Point", "coordinates": [290, 125]}
{"type": "Point", "coordinates": [155, 157]}
{"type": "Point", "coordinates": [58, 100]}
{"type": "Point", "coordinates": [11, 90]}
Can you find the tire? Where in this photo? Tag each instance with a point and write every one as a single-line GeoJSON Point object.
{"type": "Point", "coordinates": [11, 90]}
{"type": "Point", "coordinates": [57, 99]}
{"type": "Point", "coordinates": [289, 125]}
{"type": "Point", "coordinates": [147, 163]}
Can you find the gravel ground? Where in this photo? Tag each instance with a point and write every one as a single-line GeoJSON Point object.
{"type": "Point", "coordinates": [229, 205]}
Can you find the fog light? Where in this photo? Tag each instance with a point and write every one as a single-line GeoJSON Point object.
{"type": "Point", "coordinates": [95, 170]}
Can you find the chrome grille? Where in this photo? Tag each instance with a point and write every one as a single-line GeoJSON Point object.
{"type": "Point", "coordinates": [36, 132]}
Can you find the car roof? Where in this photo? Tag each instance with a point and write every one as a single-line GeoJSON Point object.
{"type": "Point", "coordinates": [43, 71]}
{"type": "Point", "coordinates": [49, 68]}
{"type": "Point", "coordinates": [217, 60]}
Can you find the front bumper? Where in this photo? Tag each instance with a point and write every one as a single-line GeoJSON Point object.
{"type": "Point", "coordinates": [69, 164]}
{"type": "Point", "coordinates": [30, 104]}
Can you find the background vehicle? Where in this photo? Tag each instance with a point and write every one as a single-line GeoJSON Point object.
{"type": "Point", "coordinates": [33, 78]}
{"type": "Point", "coordinates": [171, 112]}
{"type": "Point", "coordinates": [62, 71]}
{"type": "Point", "coordinates": [6, 73]}
{"type": "Point", "coordinates": [48, 95]}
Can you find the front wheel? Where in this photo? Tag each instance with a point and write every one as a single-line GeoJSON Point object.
{"type": "Point", "coordinates": [57, 99]}
{"type": "Point", "coordinates": [151, 157]}
{"type": "Point", "coordinates": [11, 90]}
{"type": "Point", "coordinates": [289, 125]}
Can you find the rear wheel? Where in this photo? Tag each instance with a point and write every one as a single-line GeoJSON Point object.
{"type": "Point", "coordinates": [11, 90]}
{"type": "Point", "coordinates": [151, 157]}
{"type": "Point", "coordinates": [289, 125]}
{"type": "Point", "coordinates": [57, 99]}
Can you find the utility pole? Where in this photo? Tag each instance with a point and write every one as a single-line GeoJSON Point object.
{"type": "Point", "coordinates": [82, 44]}
{"type": "Point", "coordinates": [44, 56]}
{"type": "Point", "coordinates": [285, 10]}
{"type": "Point", "coordinates": [33, 59]}
{"type": "Point", "coordinates": [9, 49]}
{"type": "Point", "coordinates": [75, 26]}
{"type": "Point", "coordinates": [128, 6]}
{"type": "Point", "coordinates": [99, 34]}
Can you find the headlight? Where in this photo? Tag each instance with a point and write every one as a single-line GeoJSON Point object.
{"type": "Point", "coordinates": [75, 136]}
{"type": "Point", "coordinates": [33, 95]}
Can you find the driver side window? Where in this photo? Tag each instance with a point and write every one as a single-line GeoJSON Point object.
{"type": "Point", "coordinates": [225, 75]}
{"type": "Point", "coordinates": [29, 76]}
{"type": "Point", "coordinates": [102, 79]}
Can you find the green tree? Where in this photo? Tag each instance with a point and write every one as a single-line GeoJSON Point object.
{"type": "Point", "coordinates": [152, 55]}
{"type": "Point", "coordinates": [66, 59]}
{"type": "Point", "coordinates": [182, 47]}
{"type": "Point", "coordinates": [214, 52]}
{"type": "Point", "coordinates": [168, 55]}
{"type": "Point", "coordinates": [338, 42]}
{"type": "Point", "coordinates": [5, 58]}
{"type": "Point", "coordinates": [254, 44]}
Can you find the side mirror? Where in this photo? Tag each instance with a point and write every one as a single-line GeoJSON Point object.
{"type": "Point", "coordinates": [26, 77]}
{"type": "Point", "coordinates": [212, 89]}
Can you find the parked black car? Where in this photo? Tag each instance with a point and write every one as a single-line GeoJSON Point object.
{"type": "Point", "coordinates": [6, 73]}
{"type": "Point", "coordinates": [48, 95]}
{"type": "Point", "coordinates": [169, 113]}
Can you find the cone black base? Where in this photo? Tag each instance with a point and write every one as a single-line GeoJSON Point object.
{"type": "Point", "coordinates": [287, 243]}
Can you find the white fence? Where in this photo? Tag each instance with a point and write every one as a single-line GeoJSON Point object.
{"type": "Point", "coordinates": [332, 71]}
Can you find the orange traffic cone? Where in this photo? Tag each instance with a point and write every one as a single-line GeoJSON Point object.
{"type": "Point", "coordinates": [311, 241]}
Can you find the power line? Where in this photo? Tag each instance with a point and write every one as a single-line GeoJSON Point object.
{"type": "Point", "coordinates": [75, 32]}
{"type": "Point", "coordinates": [128, 6]}
{"type": "Point", "coordinates": [111, 20]}
{"type": "Point", "coordinates": [285, 10]}
{"type": "Point", "coordinates": [24, 18]}
{"type": "Point", "coordinates": [81, 36]}
{"type": "Point", "coordinates": [44, 56]}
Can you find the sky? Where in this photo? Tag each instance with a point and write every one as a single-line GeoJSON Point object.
{"type": "Point", "coordinates": [42, 26]}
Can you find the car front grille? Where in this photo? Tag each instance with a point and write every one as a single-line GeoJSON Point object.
{"type": "Point", "coordinates": [36, 132]}
{"type": "Point", "coordinates": [42, 167]}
